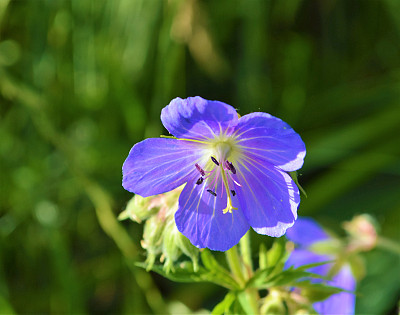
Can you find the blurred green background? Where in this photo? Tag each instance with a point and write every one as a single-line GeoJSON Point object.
{"type": "Point", "coordinates": [82, 81]}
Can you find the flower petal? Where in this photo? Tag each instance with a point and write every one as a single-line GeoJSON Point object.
{"type": "Point", "coordinates": [197, 118]}
{"type": "Point", "coordinates": [201, 220]}
{"type": "Point", "coordinates": [155, 166]}
{"type": "Point", "coordinates": [341, 303]}
{"type": "Point", "coordinates": [305, 232]}
{"type": "Point", "coordinates": [269, 198]}
{"type": "Point", "coordinates": [270, 139]}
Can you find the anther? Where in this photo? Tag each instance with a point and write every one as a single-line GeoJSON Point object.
{"type": "Point", "coordinates": [233, 193]}
{"type": "Point", "coordinates": [200, 180]}
{"type": "Point", "coordinates": [212, 193]}
{"type": "Point", "coordinates": [214, 160]}
{"type": "Point", "coordinates": [230, 167]}
{"type": "Point", "coordinates": [200, 169]}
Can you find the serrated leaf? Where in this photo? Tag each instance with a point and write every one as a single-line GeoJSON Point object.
{"type": "Point", "coordinates": [289, 277]}
{"type": "Point", "coordinates": [216, 269]}
{"type": "Point", "coordinates": [184, 272]}
{"type": "Point", "coordinates": [224, 306]}
{"type": "Point", "coordinates": [210, 262]}
{"type": "Point", "coordinates": [312, 265]}
{"type": "Point", "coordinates": [264, 279]}
{"type": "Point", "coordinates": [315, 292]}
{"type": "Point", "coordinates": [260, 277]}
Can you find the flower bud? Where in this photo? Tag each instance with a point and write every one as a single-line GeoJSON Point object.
{"type": "Point", "coordinates": [152, 239]}
{"type": "Point", "coordinates": [273, 304]}
{"type": "Point", "coordinates": [139, 208]}
{"type": "Point", "coordinates": [189, 250]}
{"type": "Point", "coordinates": [170, 248]}
{"type": "Point", "coordinates": [362, 232]}
{"type": "Point", "coordinates": [160, 234]}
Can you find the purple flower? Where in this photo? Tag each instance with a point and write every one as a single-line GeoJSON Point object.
{"type": "Point", "coordinates": [305, 234]}
{"type": "Point", "coordinates": [234, 169]}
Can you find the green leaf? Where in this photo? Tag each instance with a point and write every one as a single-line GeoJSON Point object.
{"type": "Point", "coordinates": [315, 292]}
{"type": "Point", "coordinates": [210, 262]}
{"type": "Point", "coordinates": [289, 277]}
{"type": "Point", "coordinates": [312, 265]}
{"type": "Point", "coordinates": [266, 279]}
{"type": "Point", "coordinates": [216, 269]}
{"type": "Point", "coordinates": [184, 272]}
{"type": "Point", "coordinates": [260, 277]}
{"type": "Point", "coordinates": [236, 308]}
{"type": "Point", "coordinates": [224, 306]}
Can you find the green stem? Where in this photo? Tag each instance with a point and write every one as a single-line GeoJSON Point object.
{"type": "Point", "coordinates": [233, 259]}
{"type": "Point", "coordinates": [252, 295]}
{"type": "Point", "coordinates": [245, 249]}
{"type": "Point", "coordinates": [237, 266]}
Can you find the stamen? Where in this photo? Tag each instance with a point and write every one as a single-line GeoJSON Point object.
{"type": "Point", "coordinates": [229, 166]}
{"type": "Point", "coordinates": [212, 193]}
{"type": "Point", "coordinates": [232, 168]}
{"type": "Point", "coordinates": [233, 193]}
{"type": "Point", "coordinates": [231, 177]}
{"type": "Point", "coordinates": [214, 160]}
{"type": "Point", "coordinates": [200, 169]}
{"type": "Point", "coordinates": [200, 180]}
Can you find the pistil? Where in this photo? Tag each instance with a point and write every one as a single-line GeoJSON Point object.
{"type": "Point", "coordinates": [229, 206]}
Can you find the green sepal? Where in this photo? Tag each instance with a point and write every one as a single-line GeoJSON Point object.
{"type": "Point", "coordinates": [293, 175]}
{"type": "Point", "coordinates": [170, 249]}
{"type": "Point", "coordinates": [189, 250]}
{"type": "Point", "coordinates": [123, 215]}
{"type": "Point", "coordinates": [224, 306]}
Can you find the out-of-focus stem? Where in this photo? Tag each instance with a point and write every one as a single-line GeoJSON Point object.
{"type": "Point", "coordinates": [388, 244]}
